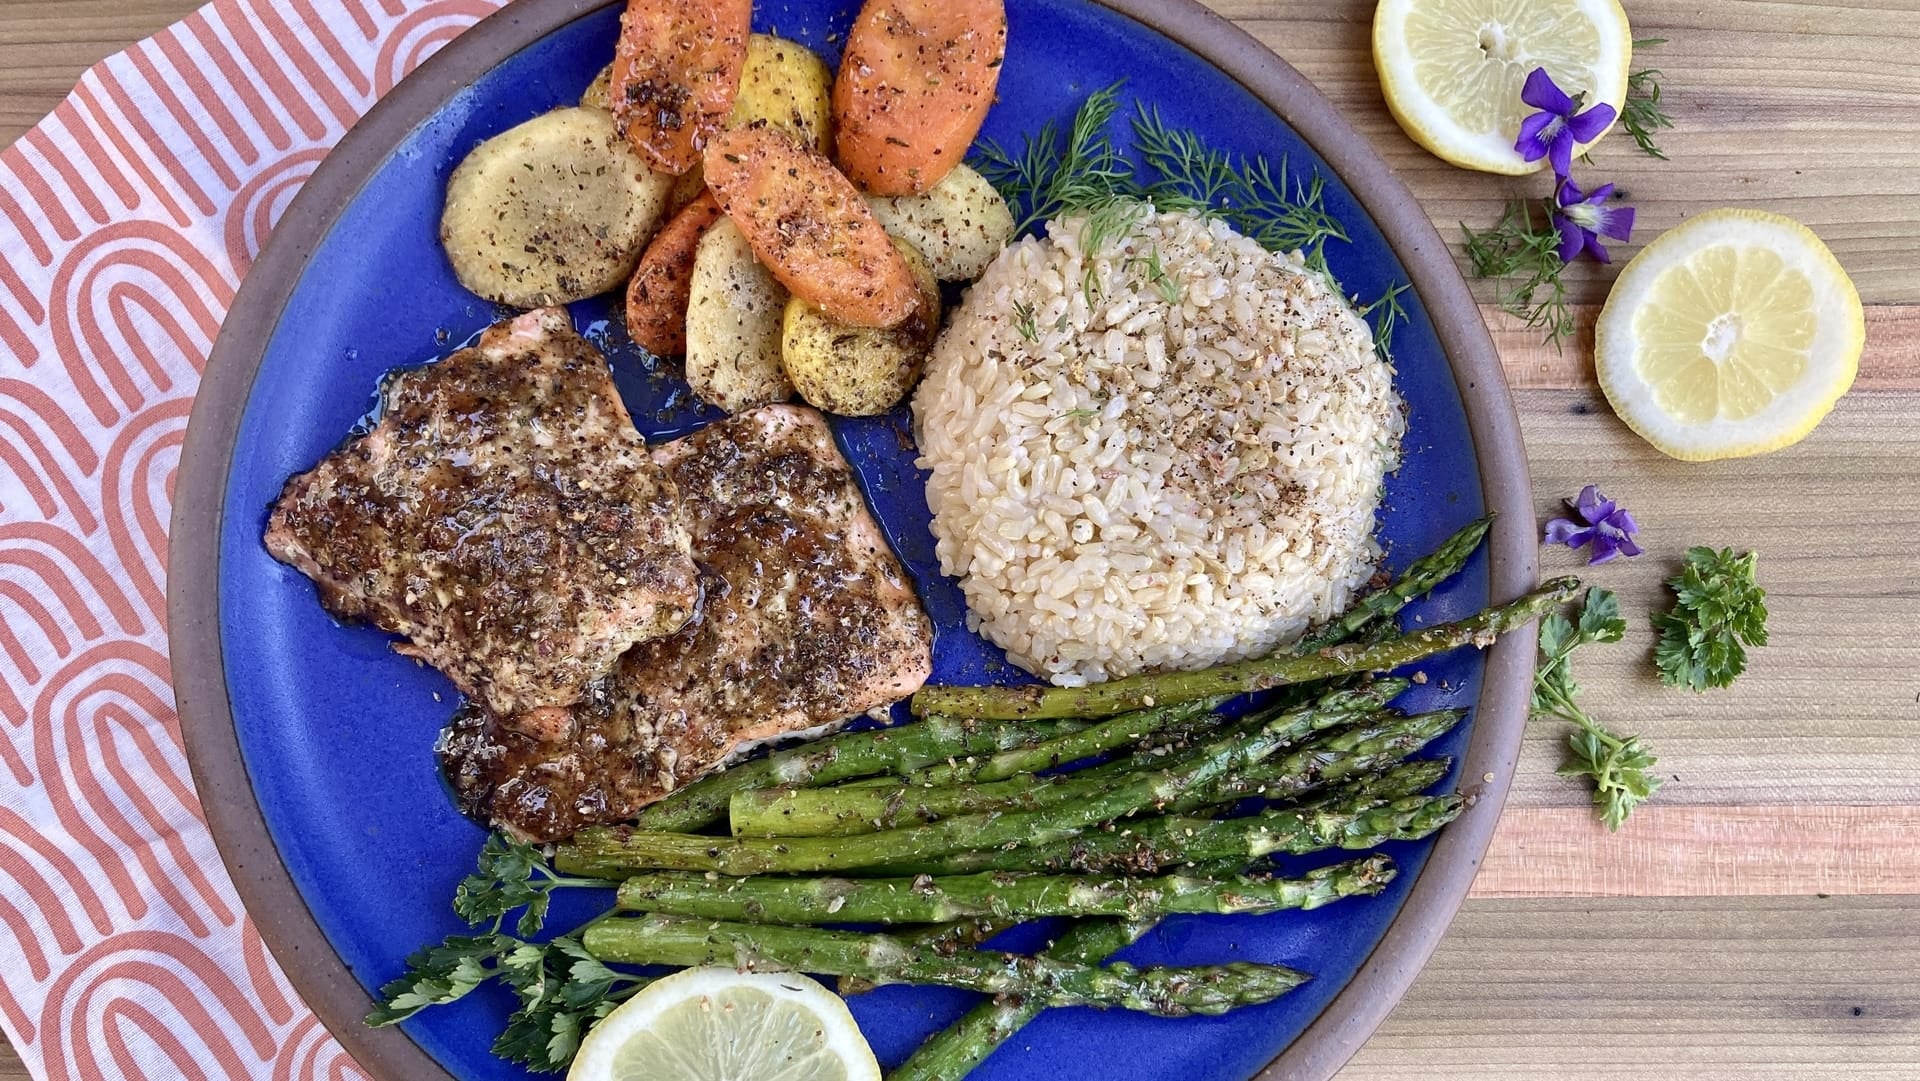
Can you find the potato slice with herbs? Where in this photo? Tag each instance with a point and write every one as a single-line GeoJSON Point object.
{"type": "Point", "coordinates": [809, 226]}
{"type": "Point", "coordinates": [552, 211]}
{"type": "Point", "coordinates": [734, 309]}
{"type": "Point", "coordinates": [959, 224]}
{"type": "Point", "coordinates": [599, 92]}
{"type": "Point", "coordinates": [787, 86]}
{"type": "Point", "coordinates": [676, 69]}
{"type": "Point", "coordinates": [859, 371]}
{"type": "Point", "coordinates": [914, 87]}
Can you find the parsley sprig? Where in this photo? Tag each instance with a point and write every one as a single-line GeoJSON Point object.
{"type": "Point", "coordinates": [1086, 173]}
{"type": "Point", "coordinates": [1719, 610]}
{"type": "Point", "coordinates": [1617, 765]}
{"type": "Point", "coordinates": [562, 989]}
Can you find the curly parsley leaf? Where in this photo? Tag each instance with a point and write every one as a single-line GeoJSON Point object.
{"type": "Point", "coordinates": [1719, 611]}
{"type": "Point", "coordinates": [1618, 766]}
{"type": "Point", "coordinates": [511, 875]}
{"type": "Point", "coordinates": [438, 975]}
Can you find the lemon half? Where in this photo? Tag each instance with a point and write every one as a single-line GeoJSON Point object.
{"type": "Point", "coordinates": [1730, 335]}
{"type": "Point", "coordinates": [1451, 70]}
{"type": "Point", "coordinates": [716, 1024]}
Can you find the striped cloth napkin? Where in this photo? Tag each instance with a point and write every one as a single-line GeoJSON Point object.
{"type": "Point", "coordinates": [127, 218]}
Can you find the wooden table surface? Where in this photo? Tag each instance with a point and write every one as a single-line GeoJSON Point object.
{"type": "Point", "coordinates": [1748, 924]}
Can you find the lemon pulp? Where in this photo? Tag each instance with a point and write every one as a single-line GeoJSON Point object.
{"type": "Point", "coordinates": [1451, 70]}
{"type": "Point", "coordinates": [1732, 334]}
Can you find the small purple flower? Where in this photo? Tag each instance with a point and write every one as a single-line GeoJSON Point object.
{"type": "Point", "coordinates": [1582, 219]}
{"type": "Point", "coordinates": [1605, 525]}
{"type": "Point", "coordinates": [1552, 132]}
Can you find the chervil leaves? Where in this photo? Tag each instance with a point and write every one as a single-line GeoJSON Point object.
{"type": "Point", "coordinates": [1719, 610]}
{"type": "Point", "coordinates": [1618, 766]}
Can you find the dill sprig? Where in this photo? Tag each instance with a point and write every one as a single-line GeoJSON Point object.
{"type": "Point", "coordinates": [1023, 321]}
{"type": "Point", "coordinates": [1521, 254]}
{"type": "Point", "coordinates": [1280, 211]}
{"type": "Point", "coordinates": [1045, 179]}
{"type": "Point", "coordinates": [1386, 315]}
{"type": "Point", "coordinates": [1641, 115]}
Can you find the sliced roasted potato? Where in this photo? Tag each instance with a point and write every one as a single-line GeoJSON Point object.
{"type": "Point", "coordinates": [734, 308]}
{"type": "Point", "coordinates": [657, 295]}
{"type": "Point", "coordinates": [787, 86]}
{"type": "Point", "coordinates": [859, 371]}
{"type": "Point", "coordinates": [959, 224]}
{"type": "Point", "coordinates": [809, 226]}
{"type": "Point", "coordinates": [914, 86]}
{"type": "Point", "coordinates": [599, 92]}
{"type": "Point", "coordinates": [676, 69]}
{"type": "Point", "coordinates": [552, 211]}
{"type": "Point", "coordinates": [687, 188]}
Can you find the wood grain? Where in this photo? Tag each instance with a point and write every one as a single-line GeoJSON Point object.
{"type": "Point", "coordinates": [1669, 850]}
{"type": "Point", "coordinates": [1705, 989]}
{"type": "Point", "coordinates": [1891, 360]}
{"type": "Point", "coordinates": [1804, 777]}
{"type": "Point", "coordinates": [1803, 107]}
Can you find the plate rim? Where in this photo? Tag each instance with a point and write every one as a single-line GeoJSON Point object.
{"type": "Point", "coordinates": [229, 805]}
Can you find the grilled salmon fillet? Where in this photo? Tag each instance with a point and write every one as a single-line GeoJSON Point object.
{"type": "Point", "coordinates": [807, 619]}
{"type": "Point", "coordinates": [503, 515]}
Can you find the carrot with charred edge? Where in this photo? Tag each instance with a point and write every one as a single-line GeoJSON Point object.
{"type": "Point", "coordinates": [913, 89]}
{"type": "Point", "coordinates": [676, 70]}
{"type": "Point", "coordinates": [657, 295]}
{"type": "Point", "coordinates": [809, 226]}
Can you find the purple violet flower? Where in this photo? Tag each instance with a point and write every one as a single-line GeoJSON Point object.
{"type": "Point", "coordinates": [1605, 525]}
{"type": "Point", "coordinates": [1582, 219]}
{"type": "Point", "coordinates": [1553, 132]}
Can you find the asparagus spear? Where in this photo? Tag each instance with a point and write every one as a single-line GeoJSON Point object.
{"type": "Point", "coordinates": [1146, 845]}
{"type": "Point", "coordinates": [883, 959]}
{"type": "Point", "coordinates": [1262, 673]}
{"type": "Point", "coordinates": [1421, 577]}
{"type": "Point", "coordinates": [1395, 782]}
{"type": "Point", "coordinates": [1336, 756]}
{"type": "Point", "coordinates": [1126, 730]}
{"type": "Point", "coordinates": [926, 899]}
{"type": "Point", "coordinates": [952, 1053]}
{"type": "Point", "coordinates": [832, 811]}
{"type": "Point", "coordinates": [838, 757]}
{"type": "Point", "coordinates": [613, 851]}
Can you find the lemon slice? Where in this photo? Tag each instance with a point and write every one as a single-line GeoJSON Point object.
{"type": "Point", "coordinates": [1730, 335]}
{"type": "Point", "coordinates": [715, 1024]}
{"type": "Point", "coordinates": [1451, 70]}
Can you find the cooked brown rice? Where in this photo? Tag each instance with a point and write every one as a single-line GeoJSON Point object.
{"type": "Point", "coordinates": [1162, 454]}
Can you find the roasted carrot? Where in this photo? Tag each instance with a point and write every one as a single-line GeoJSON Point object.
{"type": "Point", "coordinates": [809, 226]}
{"type": "Point", "coordinates": [676, 70]}
{"type": "Point", "coordinates": [657, 295]}
{"type": "Point", "coordinates": [914, 87]}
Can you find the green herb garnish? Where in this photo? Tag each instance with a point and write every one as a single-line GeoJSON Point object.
{"type": "Point", "coordinates": [1718, 611]}
{"type": "Point", "coordinates": [1521, 253]}
{"type": "Point", "coordinates": [1045, 179]}
{"type": "Point", "coordinates": [1617, 765]}
{"type": "Point", "coordinates": [1386, 314]}
{"type": "Point", "coordinates": [561, 988]}
{"type": "Point", "coordinates": [1281, 211]}
{"type": "Point", "coordinates": [1023, 321]}
{"type": "Point", "coordinates": [1641, 114]}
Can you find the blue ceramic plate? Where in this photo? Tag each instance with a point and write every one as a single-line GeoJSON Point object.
{"type": "Point", "coordinates": [313, 741]}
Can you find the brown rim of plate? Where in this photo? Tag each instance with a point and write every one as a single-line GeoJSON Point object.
{"type": "Point", "coordinates": [206, 720]}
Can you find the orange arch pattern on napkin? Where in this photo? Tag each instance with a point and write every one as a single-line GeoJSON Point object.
{"type": "Point", "coordinates": [127, 218]}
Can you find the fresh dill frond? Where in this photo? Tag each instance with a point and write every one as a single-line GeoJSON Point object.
{"type": "Point", "coordinates": [1280, 211]}
{"type": "Point", "coordinates": [1385, 315]}
{"type": "Point", "coordinates": [1155, 273]}
{"type": "Point", "coordinates": [1023, 321]}
{"type": "Point", "coordinates": [1046, 179]}
{"type": "Point", "coordinates": [1521, 254]}
{"type": "Point", "coordinates": [1641, 114]}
